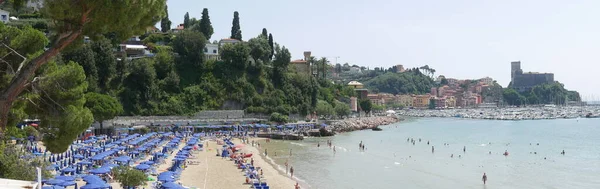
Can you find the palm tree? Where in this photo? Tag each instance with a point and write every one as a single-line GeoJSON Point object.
{"type": "Point", "coordinates": [323, 63]}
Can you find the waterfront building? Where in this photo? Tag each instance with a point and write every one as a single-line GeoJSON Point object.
{"type": "Point", "coordinates": [450, 102]}
{"type": "Point", "coordinates": [406, 100]}
{"type": "Point", "coordinates": [375, 99]}
{"type": "Point", "coordinates": [524, 81]}
{"type": "Point", "coordinates": [421, 101]}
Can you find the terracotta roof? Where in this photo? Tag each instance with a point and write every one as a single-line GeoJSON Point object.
{"type": "Point", "coordinates": [230, 39]}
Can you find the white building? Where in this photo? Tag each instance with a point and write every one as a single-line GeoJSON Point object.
{"type": "Point", "coordinates": [211, 51]}
{"type": "Point", "coordinates": [4, 16]}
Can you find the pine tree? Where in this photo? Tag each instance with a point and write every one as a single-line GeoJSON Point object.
{"type": "Point", "coordinates": [236, 32]}
{"type": "Point", "coordinates": [186, 20]}
{"type": "Point", "coordinates": [205, 25]}
{"type": "Point", "coordinates": [271, 44]}
{"type": "Point", "coordinates": [165, 23]}
{"type": "Point", "coordinates": [264, 33]}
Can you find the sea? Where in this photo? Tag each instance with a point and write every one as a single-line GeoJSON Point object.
{"type": "Point", "coordinates": [389, 161]}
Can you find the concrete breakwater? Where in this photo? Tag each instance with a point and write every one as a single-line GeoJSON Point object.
{"type": "Point", "coordinates": [353, 124]}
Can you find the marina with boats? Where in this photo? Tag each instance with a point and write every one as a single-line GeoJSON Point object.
{"type": "Point", "coordinates": [514, 113]}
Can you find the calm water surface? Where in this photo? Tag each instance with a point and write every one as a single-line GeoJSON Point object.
{"type": "Point", "coordinates": [391, 162]}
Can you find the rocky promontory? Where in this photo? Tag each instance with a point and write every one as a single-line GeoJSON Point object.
{"type": "Point", "coordinates": [361, 123]}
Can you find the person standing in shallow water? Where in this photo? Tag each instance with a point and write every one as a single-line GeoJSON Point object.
{"type": "Point", "coordinates": [484, 178]}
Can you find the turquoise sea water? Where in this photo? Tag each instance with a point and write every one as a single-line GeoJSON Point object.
{"type": "Point", "coordinates": [386, 162]}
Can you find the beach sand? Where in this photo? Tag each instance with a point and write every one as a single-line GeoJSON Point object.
{"type": "Point", "coordinates": [215, 172]}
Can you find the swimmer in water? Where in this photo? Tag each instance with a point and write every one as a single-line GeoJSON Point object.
{"type": "Point", "coordinates": [484, 178]}
{"type": "Point", "coordinates": [451, 155]}
{"type": "Point", "coordinates": [563, 152]}
{"type": "Point", "coordinates": [465, 149]}
{"type": "Point", "coordinates": [427, 142]}
{"type": "Point", "coordinates": [432, 149]}
{"type": "Point", "coordinates": [318, 145]}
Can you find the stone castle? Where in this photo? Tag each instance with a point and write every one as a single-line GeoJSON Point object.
{"type": "Point", "coordinates": [525, 81]}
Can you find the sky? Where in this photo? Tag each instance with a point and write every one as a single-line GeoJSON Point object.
{"type": "Point", "coordinates": [464, 39]}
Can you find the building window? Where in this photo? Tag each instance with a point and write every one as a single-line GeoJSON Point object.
{"type": "Point", "coordinates": [205, 50]}
{"type": "Point", "coordinates": [215, 51]}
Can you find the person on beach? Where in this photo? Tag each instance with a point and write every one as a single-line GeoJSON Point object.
{"type": "Point", "coordinates": [297, 186]}
{"type": "Point", "coordinates": [484, 178]}
{"type": "Point", "coordinates": [266, 154]}
{"type": "Point", "coordinates": [286, 167]}
{"type": "Point", "coordinates": [318, 144]}
{"type": "Point", "coordinates": [291, 171]}
{"type": "Point", "coordinates": [333, 149]}
{"type": "Point", "coordinates": [252, 162]}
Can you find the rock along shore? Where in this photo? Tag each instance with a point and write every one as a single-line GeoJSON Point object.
{"type": "Point", "coordinates": [361, 123]}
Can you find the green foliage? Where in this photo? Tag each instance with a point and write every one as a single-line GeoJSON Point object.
{"type": "Point", "coordinates": [342, 109]}
{"type": "Point", "coordinates": [95, 18]}
{"type": "Point", "coordinates": [105, 61]}
{"type": "Point", "coordinates": [165, 23]}
{"type": "Point", "coordinates": [103, 107]}
{"type": "Point", "coordinates": [189, 45]}
{"type": "Point", "coordinates": [139, 94]}
{"type": "Point", "coordinates": [366, 105]}
{"type": "Point", "coordinates": [260, 49]}
{"type": "Point", "coordinates": [409, 82]}
{"type": "Point", "coordinates": [512, 97]}
{"type": "Point", "coordinates": [324, 109]}
{"type": "Point", "coordinates": [129, 177]}
{"type": "Point", "coordinates": [84, 56]}
{"type": "Point", "coordinates": [62, 112]}
{"type": "Point", "coordinates": [277, 117]}
{"type": "Point", "coordinates": [14, 166]}
{"type": "Point", "coordinates": [13, 131]}
{"type": "Point", "coordinates": [236, 32]}
{"type": "Point", "coordinates": [264, 34]}
{"type": "Point", "coordinates": [272, 47]}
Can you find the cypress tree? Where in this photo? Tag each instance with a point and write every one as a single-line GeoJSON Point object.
{"type": "Point", "coordinates": [186, 20]}
{"type": "Point", "coordinates": [205, 24]}
{"type": "Point", "coordinates": [264, 33]}
{"type": "Point", "coordinates": [165, 23]}
{"type": "Point", "coordinates": [271, 44]}
{"type": "Point", "coordinates": [236, 32]}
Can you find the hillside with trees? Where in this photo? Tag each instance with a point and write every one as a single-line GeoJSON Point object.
{"type": "Point", "coordinates": [412, 81]}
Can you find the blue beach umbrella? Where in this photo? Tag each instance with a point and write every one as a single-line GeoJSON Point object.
{"type": "Point", "coordinates": [54, 181]}
{"type": "Point", "coordinates": [67, 183]}
{"type": "Point", "coordinates": [95, 186]}
{"type": "Point", "coordinates": [142, 167]}
{"type": "Point", "coordinates": [53, 187]}
{"type": "Point", "coordinates": [171, 185]}
{"type": "Point", "coordinates": [65, 178]}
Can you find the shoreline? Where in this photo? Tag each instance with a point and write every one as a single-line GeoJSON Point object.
{"type": "Point", "coordinates": [272, 170]}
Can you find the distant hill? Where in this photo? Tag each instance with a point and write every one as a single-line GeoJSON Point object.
{"type": "Point", "coordinates": [411, 81]}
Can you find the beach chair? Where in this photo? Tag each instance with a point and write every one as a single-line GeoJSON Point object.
{"type": "Point", "coordinates": [263, 184]}
{"type": "Point", "coordinates": [265, 187]}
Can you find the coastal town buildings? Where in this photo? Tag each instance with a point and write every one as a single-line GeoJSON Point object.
{"type": "Point", "coordinates": [487, 80]}
{"type": "Point", "coordinates": [523, 81]}
{"type": "Point", "coordinates": [405, 100]}
{"type": "Point", "coordinates": [421, 101]}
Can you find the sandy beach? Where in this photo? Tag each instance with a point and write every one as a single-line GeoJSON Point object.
{"type": "Point", "coordinates": [216, 172]}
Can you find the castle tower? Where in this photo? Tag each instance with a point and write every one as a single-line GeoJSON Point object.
{"type": "Point", "coordinates": [306, 55]}
{"type": "Point", "coordinates": [515, 69]}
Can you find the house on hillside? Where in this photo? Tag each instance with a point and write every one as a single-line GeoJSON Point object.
{"type": "Point", "coordinates": [4, 16]}
{"type": "Point", "coordinates": [211, 51]}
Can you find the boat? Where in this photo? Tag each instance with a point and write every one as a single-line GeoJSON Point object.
{"type": "Point", "coordinates": [376, 129]}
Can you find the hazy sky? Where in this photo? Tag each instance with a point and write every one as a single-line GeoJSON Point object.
{"type": "Point", "coordinates": [459, 38]}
